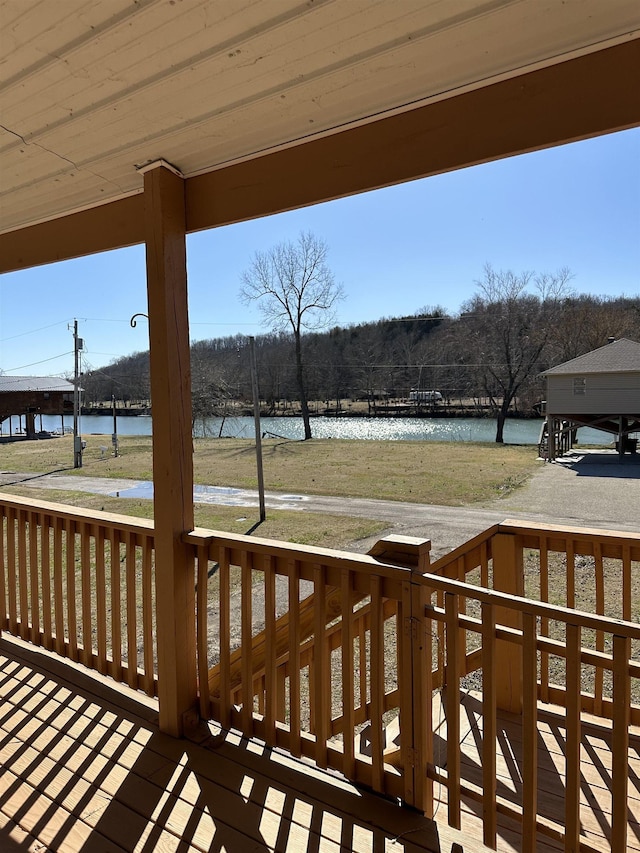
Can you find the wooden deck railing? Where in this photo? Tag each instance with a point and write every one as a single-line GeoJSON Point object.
{"type": "Point", "coordinates": [81, 585]}
{"type": "Point", "coordinates": [314, 651]}
{"type": "Point", "coordinates": [327, 655]}
{"type": "Point", "coordinates": [340, 657]}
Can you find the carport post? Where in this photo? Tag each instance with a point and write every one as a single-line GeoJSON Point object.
{"type": "Point", "coordinates": [170, 374]}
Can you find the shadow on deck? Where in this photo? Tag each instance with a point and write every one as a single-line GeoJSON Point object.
{"type": "Point", "coordinates": [84, 768]}
{"type": "Point", "coordinates": [595, 776]}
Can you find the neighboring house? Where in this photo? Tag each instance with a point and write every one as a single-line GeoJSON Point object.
{"type": "Point", "coordinates": [600, 389]}
{"type": "Point", "coordinates": [34, 395]}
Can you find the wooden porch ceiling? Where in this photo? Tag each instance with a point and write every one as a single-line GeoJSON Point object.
{"type": "Point", "coordinates": [268, 106]}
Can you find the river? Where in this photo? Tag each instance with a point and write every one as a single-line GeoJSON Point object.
{"type": "Point", "coordinates": [374, 429]}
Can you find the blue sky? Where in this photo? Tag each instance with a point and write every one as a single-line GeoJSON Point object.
{"type": "Point", "coordinates": [394, 251]}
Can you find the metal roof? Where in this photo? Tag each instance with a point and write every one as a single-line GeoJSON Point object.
{"type": "Point", "coordinates": [621, 356]}
{"type": "Point", "coordinates": [34, 383]}
{"type": "Point", "coordinates": [94, 89]}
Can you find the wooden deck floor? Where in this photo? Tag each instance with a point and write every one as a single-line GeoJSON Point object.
{"type": "Point", "coordinates": [84, 768]}
{"type": "Point", "coordinates": [595, 796]}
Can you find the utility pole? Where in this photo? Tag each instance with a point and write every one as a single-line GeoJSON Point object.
{"type": "Point", "coordinates": [114, 437]}
{"type": "Point", "coordinates": [256, 417]}
{"type": "Point", "coordinates": [77, 438]}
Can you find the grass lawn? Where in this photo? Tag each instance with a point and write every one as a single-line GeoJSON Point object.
{"type": "Point", "coordinates": [447, 473]}
{"type": "Point", "coordinates": [453, 474]}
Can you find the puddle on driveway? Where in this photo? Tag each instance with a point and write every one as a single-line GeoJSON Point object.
{"type": "Point", "coordinates": [221, 495]}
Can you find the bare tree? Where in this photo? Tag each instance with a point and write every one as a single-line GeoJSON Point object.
{"type": "Point", "coordinates": [294, 289]}
{"type": "Point", "coordinates": [508, 330]}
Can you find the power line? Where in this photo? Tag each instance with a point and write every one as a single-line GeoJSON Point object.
{"type": "Point", "coordinates": [42, 361]}
{"type": "Point", "coordinates": [32, 332]}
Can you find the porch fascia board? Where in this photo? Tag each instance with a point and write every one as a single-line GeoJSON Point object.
{"type": "Point", "coordinates": [566, 102]}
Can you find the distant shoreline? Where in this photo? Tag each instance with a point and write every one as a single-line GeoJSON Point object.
{"type": "Point", "coordinates": [391, 413]}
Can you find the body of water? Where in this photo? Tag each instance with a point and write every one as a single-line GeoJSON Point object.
{"type": "Point", "coordinates": [372, 429]}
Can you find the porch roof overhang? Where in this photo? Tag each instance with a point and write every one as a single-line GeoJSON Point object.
{"type": "Point", "coordinates": [269, 106]}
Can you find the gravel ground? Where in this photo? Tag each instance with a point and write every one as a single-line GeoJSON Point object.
{"type": "Point", "coordinates": [588, 488]}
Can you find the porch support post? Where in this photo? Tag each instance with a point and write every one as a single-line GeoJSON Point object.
{"type": "Point", "coordinates": [170, 373]}
{"type": "Point", "coordinates": [508, 576]}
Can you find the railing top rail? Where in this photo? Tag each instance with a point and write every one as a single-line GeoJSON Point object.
{"type": "Point", "coordinates": [582, 538]}
{"type": "Point", "coordinates": [99, 517]}
{"type": "Point", "coordinates": [512, 525]}
{"type": "Point", "coordinates": [201, 537]}
{"type": "Point", "coordinates": [535, 608]}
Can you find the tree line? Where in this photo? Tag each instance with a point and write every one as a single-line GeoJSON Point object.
{"type": "Point", "coordinates": [493, 349]}
{"type": "Point", "coordinates": [513, 327]}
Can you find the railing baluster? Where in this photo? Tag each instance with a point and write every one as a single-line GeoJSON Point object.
{"type": "Point", "coordinates": [202, 640]}
{"type": "Point", "coordinates": [489, 725]}
{"type": "Point", "coordinates": [3, 572]}
{"type": "Point", "coordinates": [101, 599]}
{"type": "Point", "coordinates": [116, 603]}
{"type": "Point", "coordinates": [22, 574]}
{"type": "Point", "coordinates": [322, 692]}
{"type": "Point", "coordinates": [453, 709]}
{"type": "Point", "coordinates": [147, 614]}
{"type": "Point", "coordinates": [132, 632]}
{"type": "Point", "coordinates": [348, 689]}
{"type": "Point", "coordinates": [573, 737]}
{"type": "Point", "coordinates": [270, 697]}
{"type": "Point", "coordinates": [571, 574]}
{"type": "Point", "coordinates": [34, 579]}
{"type": "Point", "coordinates": [529, 733]}
{"type": "Point", "coordinates": [225, 636]}
{"type": "Point", "coordinates": [85, 573]}
{"type": "Point", "coordinates": [294, 656]}
{"type": "Point", "coordinates": [58, 528]}
{"type": "Point", "coordinates": [247, 635]}
{"type": "Point", "coordinates": [626, 582]}
{"type": "Point", "coordinates": [362, 665]}
{"type": "Point", "coordinates": [11, 569]}
{"type": "Point", "coordinates": [544, 621]}
{"type": "Point", "coordinates": [620, 744]}
{"type": "Point", "coordinates": [70, 545]}
{"type": "Point", "coordinates": [376, 675]}
{"type": "Point", "coordinates": [45, 573]}
{"type": "Point", "coordinates": [598, 682]}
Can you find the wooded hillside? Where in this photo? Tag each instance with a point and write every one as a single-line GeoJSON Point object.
{"type": "Point", "coordinates": [468, 356]}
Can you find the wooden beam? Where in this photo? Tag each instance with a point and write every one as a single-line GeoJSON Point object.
{"type": "Point", "coordinates": [172, 443]}
{"type": "Point", "coordinates": [563, 103]}
{"type": "Point", "coordinates": [572, 100]}
{"type": "Point", "coordinates": [99, 229]}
